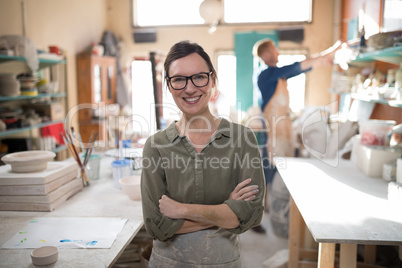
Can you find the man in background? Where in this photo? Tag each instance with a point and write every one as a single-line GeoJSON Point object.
{"type": "Point", "coordinates": [272, 82]}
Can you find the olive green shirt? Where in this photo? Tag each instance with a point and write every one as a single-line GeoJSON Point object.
{"type": "Point", "coordinates": [172, 166]}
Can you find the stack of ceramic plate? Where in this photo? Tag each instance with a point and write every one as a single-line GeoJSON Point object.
{"type": "Point", "coordinates": [28, 85]}
{"type": "Point", "coordinates": [9, 85]}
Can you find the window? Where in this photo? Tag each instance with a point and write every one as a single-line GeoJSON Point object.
{"type": "Point", "coordinates": [150, 13]}
{"type": "Point", "coordinates": [296, 85]}
{"type": "Point", "coordinates": [260, 11]}
{"type": "Point", "coordinates": [392, 15]}
{"type": "Point", "coordinates": [143, 100]}
{"type": "Point", "coordinates": [143, 111]}
{"type": "Point", "coordinates": [226, 68]}
{"type": "Point", "coordinates": [161, 12]}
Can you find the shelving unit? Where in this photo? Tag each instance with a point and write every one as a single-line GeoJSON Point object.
{"type": "Point", "coordinates": [391, 55]}
{"type": "Point", "coordinates": [17, 65]}
{"type": "Point", "coordinates": [390, 58]}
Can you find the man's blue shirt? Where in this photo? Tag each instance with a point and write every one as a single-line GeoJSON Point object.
{"type": "Point", "coordinates": [268, 79]}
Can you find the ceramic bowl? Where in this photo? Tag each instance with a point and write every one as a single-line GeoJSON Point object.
{"type": "Point", "coordinates": [131, 186]}
{"type": "Point", "coordinates": [28, 161]}
{"type": "Point", "coordinates": [44, 255]}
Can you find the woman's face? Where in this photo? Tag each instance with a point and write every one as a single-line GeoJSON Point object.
{"type": "Point", "coordinates": [191, 100]}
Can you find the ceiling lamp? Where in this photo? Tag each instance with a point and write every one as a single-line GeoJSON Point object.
{"type": "Point", "coordinates": [211, 11]}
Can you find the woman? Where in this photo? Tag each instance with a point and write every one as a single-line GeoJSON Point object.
{"type": "Point", "coordinates": [202, 180]}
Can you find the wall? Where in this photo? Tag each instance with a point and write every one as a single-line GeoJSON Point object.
{"type": "Point", "coordinates": [75, 24]}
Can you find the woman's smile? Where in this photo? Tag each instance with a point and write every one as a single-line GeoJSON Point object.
{"type": "Point", "coordinates": [192, 100]}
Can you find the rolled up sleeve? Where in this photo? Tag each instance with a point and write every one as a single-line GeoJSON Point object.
{"type": "Point", "coordinates": [152, 188]}
{"type": "Point", "coordinates": [250, 213]}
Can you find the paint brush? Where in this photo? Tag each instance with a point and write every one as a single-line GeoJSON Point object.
{"type": "Point", "coordinates": [77, 158]}
{"type": "Point", "coordinates": [77, 137]}
{"type": "Point", "coordinates": [86, 151]}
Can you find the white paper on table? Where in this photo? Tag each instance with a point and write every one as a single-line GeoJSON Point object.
{"type": "Point", "coordinates": [67, 233]}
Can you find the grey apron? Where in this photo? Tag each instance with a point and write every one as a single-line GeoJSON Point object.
{"type": "Point", "coordinates": [207, 248]}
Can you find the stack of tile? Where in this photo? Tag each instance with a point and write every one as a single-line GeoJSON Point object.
{"type": "Point", "coordinates": [39, 191]}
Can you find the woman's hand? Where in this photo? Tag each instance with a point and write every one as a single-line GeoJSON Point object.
{"type": "Point", "coordinates": [244, 192]}
{"type": "Point", "coordinates": [170, 208]}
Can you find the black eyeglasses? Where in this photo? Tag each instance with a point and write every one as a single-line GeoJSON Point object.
{"type": "Point", "coordinates": [180, 81]}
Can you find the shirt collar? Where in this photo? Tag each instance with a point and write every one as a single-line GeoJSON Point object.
{"type": "Point", "coordinates": [224, 129]}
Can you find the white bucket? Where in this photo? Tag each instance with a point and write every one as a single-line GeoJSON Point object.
{"type": "Point", "coordinates": [376, 132]}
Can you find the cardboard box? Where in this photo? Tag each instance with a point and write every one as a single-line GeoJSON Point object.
{"type": "Point", "coordinates": [55, 110]}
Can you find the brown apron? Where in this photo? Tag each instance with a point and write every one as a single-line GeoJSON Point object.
{"type": "Point", "coordinates": [279, 127]}
{"type": "Point", "coordinates": [207, 248]}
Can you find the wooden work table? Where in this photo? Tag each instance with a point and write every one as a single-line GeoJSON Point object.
{"type": "Point", "coordinates": [339, 205]}
{"type": "Point", "coordinates": [100, 199]}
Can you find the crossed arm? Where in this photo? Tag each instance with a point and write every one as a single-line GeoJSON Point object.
{"type": "Point", "coordinates": [198, 217]}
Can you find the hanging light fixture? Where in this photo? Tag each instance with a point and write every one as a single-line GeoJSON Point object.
{"type": "Point", "coordinates": [211, 11]}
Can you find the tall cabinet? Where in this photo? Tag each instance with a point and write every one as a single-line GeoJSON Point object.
{"type": "Point", "coordinates": [96, 78]}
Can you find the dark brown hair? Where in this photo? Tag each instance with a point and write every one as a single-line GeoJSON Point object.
{"type": "Point", "coordinates": [183, 49]}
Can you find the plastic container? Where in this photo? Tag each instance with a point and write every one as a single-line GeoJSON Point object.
{"type": "Point", "coordinates": [93, 166]}
{"type": "Point", "coordinates": [376, 132]}
{"type": "Point", "coordinates": [120, 169]}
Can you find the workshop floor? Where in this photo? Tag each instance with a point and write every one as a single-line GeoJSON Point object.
{"type": "Point", "coordinates": [258, 248]}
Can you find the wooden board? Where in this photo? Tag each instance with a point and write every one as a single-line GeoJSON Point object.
{"type": "Point", "coordinates": [43, 199]}
{"type": "Point", "coordinates": [54, 171]}
{"type": "Point", "coordinates": [38, 189]}
{"type": "Point", "coordinates": [39, 206]}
